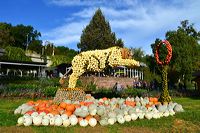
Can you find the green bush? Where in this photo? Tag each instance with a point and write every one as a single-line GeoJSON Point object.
{"type": "Point", "coordinates": [91, 87]}
{"type": "Point", "coordinates": [132, 92]}
{"type": "Point", "coordinates": [49, 91]}
{"type": "Point", "coordinates": [32, 88]}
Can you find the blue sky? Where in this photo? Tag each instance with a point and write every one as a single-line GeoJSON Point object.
{"type": "Point", "coordinates": [137, 22]}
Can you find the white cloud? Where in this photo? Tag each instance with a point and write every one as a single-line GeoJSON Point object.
{"type": "Point", "coordinates": [139, 24]}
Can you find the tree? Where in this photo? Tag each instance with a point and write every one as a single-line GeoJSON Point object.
{"type": "Point", "coordinates": [186, 54]}
{"type": "Point", "coordinates": [49, 48]}
{"type": "Point", "coordinates": [5, 35]}
{"type": "Point", "coordinates": [59, 59]}
{"type": "Point", "coordinates": [15, 54]}
{"type": "Point", "coordinates": [98, 34]}
{"type": "Point", "coordinates": [36, 45]}
{"type": "Point", "coordinates": [23, 35]}
{"type": "Point", "coordinates": [138, 54]}
{"type": "Point", "coordinates": [17, 36]}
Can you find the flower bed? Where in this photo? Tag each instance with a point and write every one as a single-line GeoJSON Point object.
{"type": "Point", "coordinates": [93, 111]}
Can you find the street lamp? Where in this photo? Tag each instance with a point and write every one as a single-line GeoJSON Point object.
{"type": "Point", "coordinates": [27, 41]}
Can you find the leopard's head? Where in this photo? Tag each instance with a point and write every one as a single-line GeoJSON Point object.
{"type": "Point", "coordinates": [126, 53]}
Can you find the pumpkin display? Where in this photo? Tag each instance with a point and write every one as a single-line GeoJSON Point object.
{"type": "Point", "coordinates": [104, 111]}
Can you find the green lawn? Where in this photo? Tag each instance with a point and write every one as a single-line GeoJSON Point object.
{"type": "Point", "coordinates": [188, 121]}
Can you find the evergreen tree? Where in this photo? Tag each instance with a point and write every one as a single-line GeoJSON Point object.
{"type": "Point", "coordinates": [98, 34]}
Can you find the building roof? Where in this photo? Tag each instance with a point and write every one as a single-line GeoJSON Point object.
{"type": "Point", "coordinates": [23, 63]}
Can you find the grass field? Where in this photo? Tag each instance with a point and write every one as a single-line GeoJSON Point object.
{"type": "Point", "coordinates": [185, 122]}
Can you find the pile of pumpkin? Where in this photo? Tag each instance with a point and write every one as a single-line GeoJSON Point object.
{"type": "Point", "coordinates": [92, 111]}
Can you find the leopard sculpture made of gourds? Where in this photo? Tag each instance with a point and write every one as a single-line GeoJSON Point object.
{"type": "Point", "coordinates": [96, 61]}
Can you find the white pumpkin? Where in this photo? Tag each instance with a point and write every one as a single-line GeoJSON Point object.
{"type": "Point", "coordinates": [83, 123]}
{"type": "Point", "coordinates": [178, 108]}
{"type": "Point", "coordinates": [42, 114]}
{"type": "Point", "coordinates": [64, 116]}
{"type": "Point", "coordinates": [26, 115]}
{"type": "Point", "coordinates": [134, 116]}
{"type": "Point", "coordinates": [103, 122]}
{"type": "Point", "coordinates": [120, 119]}
{"type": "Point", "coordinates": [166, 113]}
{"type": "Point", "coordinates": [127, 118]}
{"type": "Point", "coordinates": [73, 120]}
{"type": "Point", "coordinates": [92, 107]}
{"type": "Point", "coordinates": [34, 114]}
{"type": "Point", "coordinates": [50, 115]}
{"type": "Point", "coordinates": [17, 111]}
{"type": "Point", "coordinates": [68, 101]}
{"type": "Point", "coordinates": [148, 115]}
{"type": "Point", "coordinates": [93, 112]}
{"type": "Point", "coordinates": [37, 120]}
{"type": "Point", "coordinates": [57, 116]}
{"type": "Point", "coordinates": [66, 122]}
{"type": "Point", "coordinates": [52, 121]}
{"type": "Point", "coordinates": [28, 121]}
{"type": "Point", "coordinates": [46, 117]}
{"type": "Point", "coordinates": [111, 121]}
{"type": "Point", "coordinates": [141, 115]}
{"type": "Point", "coordinates": [58, 121]}
{"type": "Point", "coordinates": [45, 122]}
{"type": "Point", "coordinates": [160, 114]}
{"type": "Point", "coordinates": [100, 111]}
{"type": "Point", "coordinates": [20, 121]}
{"type": "Point", "coordinates": [155, 115]}
{"type": "Point", "coordinates": [92, 122]}
{"type": "Point", "coordinates": [171, 112]}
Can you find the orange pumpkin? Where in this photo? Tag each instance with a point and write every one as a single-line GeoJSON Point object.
{"type": "Point", "coordinates": [30, 112]}
{"type": "Point", "coordinates": [70, 107]}
{"type": "Point", "coordinates": [82, 103]}
{"type": "Point", "coordinates": [79, 119]}
{"type": "Point", "coordinates": [104, 98]}
{"type": "Point", "coordinates": [155, 99]}
{"type": "Point", "coordinates": [36, 108]}
{"type": "Point", "coordinates": [63, 104]}
{"type": "Point", "coordinates": [151, 99]}
{"type": "Point", "coordinates": [30, 103]}
{"type": "Point", "coordinates": [147, 105]}
{"type": "Point", "coordinates": [88, 117]}
{"type": "Point", "coordinates": [68, 113]}
{"type": "Point", "coordinates": [77, 106]}
{"type": "Point", "coordinates": [54, 112]}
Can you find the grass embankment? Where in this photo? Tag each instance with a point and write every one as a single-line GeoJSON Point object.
{"type": "Point", "coordinates": [188, 121]}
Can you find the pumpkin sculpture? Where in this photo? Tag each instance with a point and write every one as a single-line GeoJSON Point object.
{"type": "Point", "coordinates": [96, 61]}
{"type": "Point", "coordinates": [165, 97]}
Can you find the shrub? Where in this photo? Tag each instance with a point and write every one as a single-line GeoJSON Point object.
{"type": "Point", "coordinates": [49, 91]}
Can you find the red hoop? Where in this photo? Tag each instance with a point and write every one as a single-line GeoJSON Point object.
{"type": "Point", "coordinates": [169, 53]}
